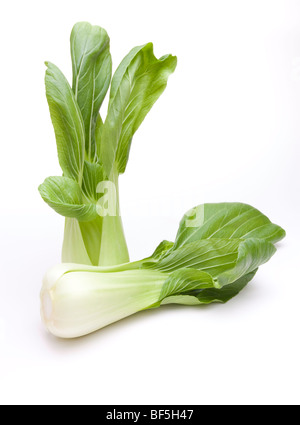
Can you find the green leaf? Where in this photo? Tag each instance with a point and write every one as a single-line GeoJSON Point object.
{"type": "Point", "coordinates": [67, 123]}
{"type": "Point", "coordinates": [186, 280]}
{"type": "Point", "coordinates": [211, 295]}
{"type": "Point", "coordinates": [138, 82]}
{"type": "Point", "coordinates": [162, 249]}
{"type": "Point", "coordinates": [214, 256]}
{"type": "Point", "coordinates": [252, 253]}
{"type": "Point", "coordinates": [226, 260]}
{"type": "Point", "coordinates": [228, 221]}
{"type": "Point", "coordinates": [92, 68]}
{"type": "Point", "coordinates": [64, 196]}
{"type": "Point", "coordinates": [92, 176]}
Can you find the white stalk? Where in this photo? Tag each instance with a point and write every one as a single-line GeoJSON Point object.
{"type": "Point", "coordinates": [78, 300]}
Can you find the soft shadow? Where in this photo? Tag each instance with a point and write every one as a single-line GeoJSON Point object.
{"type": "Point", "coordinates": [113, 329]}
{"type": "Point", "coordinates": [104, 333]}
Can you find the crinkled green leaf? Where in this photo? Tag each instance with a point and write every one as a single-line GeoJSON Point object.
{"type": "Point", "coordinates": [227, 221]}
{"type": "Point", "coordinates": [226, 260]}
{"type": "Point", "coordinates": [67, 122]}
{"type": "Point", "coordinates": [186, 280]}
{"type": "Point", "coordinates": [138, 82]}
{"type": "Point", "coordinates": [92, 68]}
{"type": "Point", "coordinates": [65, 197]}
{"type": "Point", "coordinates": [211, 295]}
{"type": "Point", "coordinates": [252, 253]}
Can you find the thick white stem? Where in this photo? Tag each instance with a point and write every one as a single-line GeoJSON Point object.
{"type": "Point", "coordinates": [75, 302]}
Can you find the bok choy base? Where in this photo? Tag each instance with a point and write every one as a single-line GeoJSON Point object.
{"type": "Point", "coordinates": [217, 252]}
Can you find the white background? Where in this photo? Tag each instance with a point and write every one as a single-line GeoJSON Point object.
{"type": "Point", "coordinates": [226, 129]}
